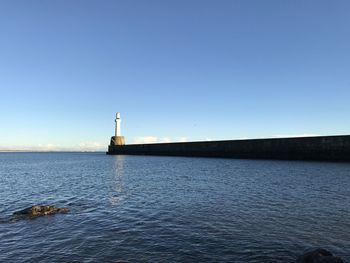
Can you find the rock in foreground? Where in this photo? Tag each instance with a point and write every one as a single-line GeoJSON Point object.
{"type": "Point", "coordinates": [40, 210]}
{"type": "Point", "coordinates": [318, 256]}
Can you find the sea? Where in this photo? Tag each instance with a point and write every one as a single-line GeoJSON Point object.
{"type": "Point", "coordinates": [172, 209]}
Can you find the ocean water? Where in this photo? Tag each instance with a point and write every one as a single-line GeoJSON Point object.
{"type": "Point", "coordinates": [172, 209]}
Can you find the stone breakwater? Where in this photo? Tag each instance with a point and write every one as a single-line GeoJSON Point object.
{"type": "Point", "coordinates": [320, 148]}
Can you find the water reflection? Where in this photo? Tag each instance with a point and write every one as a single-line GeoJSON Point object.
{"type": "Point", "coordinates": [117, 184]}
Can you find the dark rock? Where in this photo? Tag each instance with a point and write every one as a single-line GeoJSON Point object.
{"type": "Point", "coordinates": [318, 256]}
{"type": "Point", "coordinates": [40, 210]}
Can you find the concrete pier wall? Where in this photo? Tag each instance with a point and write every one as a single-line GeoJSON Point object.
{"type": "Point", "coordinates": [328, 148]}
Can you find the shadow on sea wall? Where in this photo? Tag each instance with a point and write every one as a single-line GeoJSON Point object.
{"type": "Point", "coordinates": [327, 148]}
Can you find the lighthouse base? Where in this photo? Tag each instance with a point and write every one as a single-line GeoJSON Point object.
{"type": "Point", "coordinates": [117, 140]}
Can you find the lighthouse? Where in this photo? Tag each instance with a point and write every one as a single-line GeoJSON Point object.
{"type": "Point", "coordinates": [117, 139]}
{"type": "Point", "coordinates": [117, 125]}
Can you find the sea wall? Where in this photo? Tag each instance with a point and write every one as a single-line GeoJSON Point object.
{"type": "Point", "coordinates": [331, 148]}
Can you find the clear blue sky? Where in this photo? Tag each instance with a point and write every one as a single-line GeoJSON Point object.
{"type": "Point", "coordinates": [176, 70]}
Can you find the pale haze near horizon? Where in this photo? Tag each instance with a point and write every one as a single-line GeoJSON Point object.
{"type": "Point", "coordinates": [176, 70]}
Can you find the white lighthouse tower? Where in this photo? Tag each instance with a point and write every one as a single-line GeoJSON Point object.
{"type": "Point", "coordinates": [117, 139]}
{"type": "Point", "coordinates": [117, 125]}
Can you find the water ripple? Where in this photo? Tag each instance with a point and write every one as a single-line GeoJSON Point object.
{"type": "Point", "coordinates": [172, 209]}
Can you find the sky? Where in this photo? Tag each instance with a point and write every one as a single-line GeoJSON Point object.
{"type": "Point", "coordinates": [183, 70]}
